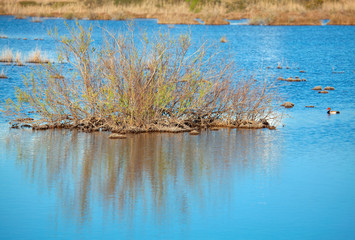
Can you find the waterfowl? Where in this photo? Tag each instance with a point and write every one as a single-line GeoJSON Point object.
{"type": "Point", "coordinates": [332, 112]}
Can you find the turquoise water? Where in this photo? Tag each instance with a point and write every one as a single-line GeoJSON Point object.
{"type": "Point", "coordinates": [293, 183]}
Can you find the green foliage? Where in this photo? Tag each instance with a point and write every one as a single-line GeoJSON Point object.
{"type": "Point", "coordinates": [127, 2]}
{"type": "Point", "coordinates": [28, 3]}
{"type": "Point", "coordinates": [59, 4]}
{"type": "Point", "coordinates": [236, 5]}
{"type": "Point", "coordinates": [313, 4]}
{"type": "Point", "coordinates": [196, 5]}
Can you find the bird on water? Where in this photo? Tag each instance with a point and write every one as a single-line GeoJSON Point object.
{"type": "Point", "coordinates": [332, 112]}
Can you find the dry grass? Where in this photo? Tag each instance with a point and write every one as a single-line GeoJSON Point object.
{"type": "Point", "coordinates": [180, 19]}
{"type": "Point", "coordinates": [277, 12]}
{"type": "Point", "coordinates": [6, 55]}
{"type": "Point", "coordinates": [18, 59]}
{"type": "Point", "coordinates": [3, 74]}
{"type": "Point", "coordinates": [224, 39]}
{"type": "Point", "coordinates": [37, 56]}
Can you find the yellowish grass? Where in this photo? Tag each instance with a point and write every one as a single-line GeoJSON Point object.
{"type": "Point", "coordinates": [2, 74]}
{"type": "Point", "coordinates": [276, 12]}
{"type": "Point", "coordinates": [18, 59]}
{"type": "Point", "coordinates": [37, 56]}
{"type": "Point", "coordinates": [224, 39]}
{"type": "Point", "coordinates": [6, 55]}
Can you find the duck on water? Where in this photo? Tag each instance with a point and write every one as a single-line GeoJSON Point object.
{"type": "Point", "coordinates": [332, 112]}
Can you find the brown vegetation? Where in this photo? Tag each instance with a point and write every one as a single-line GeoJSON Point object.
{"type": "Point", "coordinates": [2, 74]}
{"type": "Point", "coordinates": [264, 12]}
{"type": "Point", "coordinates": [18, 59]}
{"type": "Point", "coordinates": [162, 84]}
{"type": "Point", "coordinates": [37, 56]}
{"type": "Point", "coordinates": [224, 40]}
{"type": "Point", "coordinates": [6, 55]}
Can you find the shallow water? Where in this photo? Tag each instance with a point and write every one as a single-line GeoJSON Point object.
{"type": "Point", "coordinates": [292, 183]}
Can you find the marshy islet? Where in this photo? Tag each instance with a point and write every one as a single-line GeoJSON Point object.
{"type": "Point", "coordinates": [161, 89]}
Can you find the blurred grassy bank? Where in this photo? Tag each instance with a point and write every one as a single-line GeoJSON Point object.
{"type": "Point", "coordinates": [212, 12]}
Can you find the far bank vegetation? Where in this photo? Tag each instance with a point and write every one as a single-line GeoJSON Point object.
{"type": "Point", "coordinates": [140, 83]}
{"type": "Point", "coordinates": [214, 12]}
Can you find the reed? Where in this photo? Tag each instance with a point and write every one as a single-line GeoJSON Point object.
{"type": "Point", "coordinates": [272, 12]}
{"type": "Point", "coordinates": [18, 59]}
{"type": "Point", "coordinates": [136, 83]}
{"type": "Point", "coordinates": [37, 57]}
{"type": "Point", "coordinates": [3, 74]}
{"type": "Point", "coordinates": [224, 39]}
{"type": "Point", "coordinates": [6, 55]}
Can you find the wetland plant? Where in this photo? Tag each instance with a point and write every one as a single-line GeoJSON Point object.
{"type": "Point", "coordinates": [18, 59]}
{"type": "Point", "coordinates": [6, 55]}
{"type": "Point", "coordinates": [37, 56]}
{"type": "Point", "coordinates": [2, 74]}
{"type": "Point", "coordinates": [139, 83]}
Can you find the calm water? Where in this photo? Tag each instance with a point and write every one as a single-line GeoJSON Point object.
{"type": "Point", "coordinates": [293, 183]}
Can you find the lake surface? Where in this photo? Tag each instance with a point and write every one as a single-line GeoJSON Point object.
{"type": "Point", "coordinates": [293, 183]}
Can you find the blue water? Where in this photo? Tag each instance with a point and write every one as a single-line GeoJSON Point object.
{"type": "Point", "coordinates": [293, 183]}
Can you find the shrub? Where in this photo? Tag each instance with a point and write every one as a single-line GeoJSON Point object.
{"type": "Point", "coordinates": [136, 83]}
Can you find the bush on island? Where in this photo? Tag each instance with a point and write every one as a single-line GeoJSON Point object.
{"type": "Point", "coordinates": [140, 83]}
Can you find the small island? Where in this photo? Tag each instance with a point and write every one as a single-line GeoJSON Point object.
{"type": "Point", "coordinates": [133, 83]}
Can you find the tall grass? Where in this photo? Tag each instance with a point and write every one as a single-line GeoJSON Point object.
{"type": "Point", "coordinates": [6, 55]}
{"type": "Point", "coordinates": [3, 74]}
{"type": "Point", "coordinates": [273, 12]}
{"type": "Point", "coordinates": [37, 56]}
{"type": "Point", "coordinates": [136, 83]}
{"type": "Point", "coordinates": [18, 59]}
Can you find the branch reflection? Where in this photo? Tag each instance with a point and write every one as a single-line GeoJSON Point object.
{"type": "Point", "coordinates": [158, 175]}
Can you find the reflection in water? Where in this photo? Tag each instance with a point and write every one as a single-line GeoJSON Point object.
{"type": "Point", "coordinates": [158, 175]}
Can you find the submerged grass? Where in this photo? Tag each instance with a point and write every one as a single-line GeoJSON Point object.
{"type": "Point", "coordinates": [136, 83]}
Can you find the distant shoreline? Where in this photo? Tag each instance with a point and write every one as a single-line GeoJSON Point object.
{"type": "Point", "coordinates": [284, 13]}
